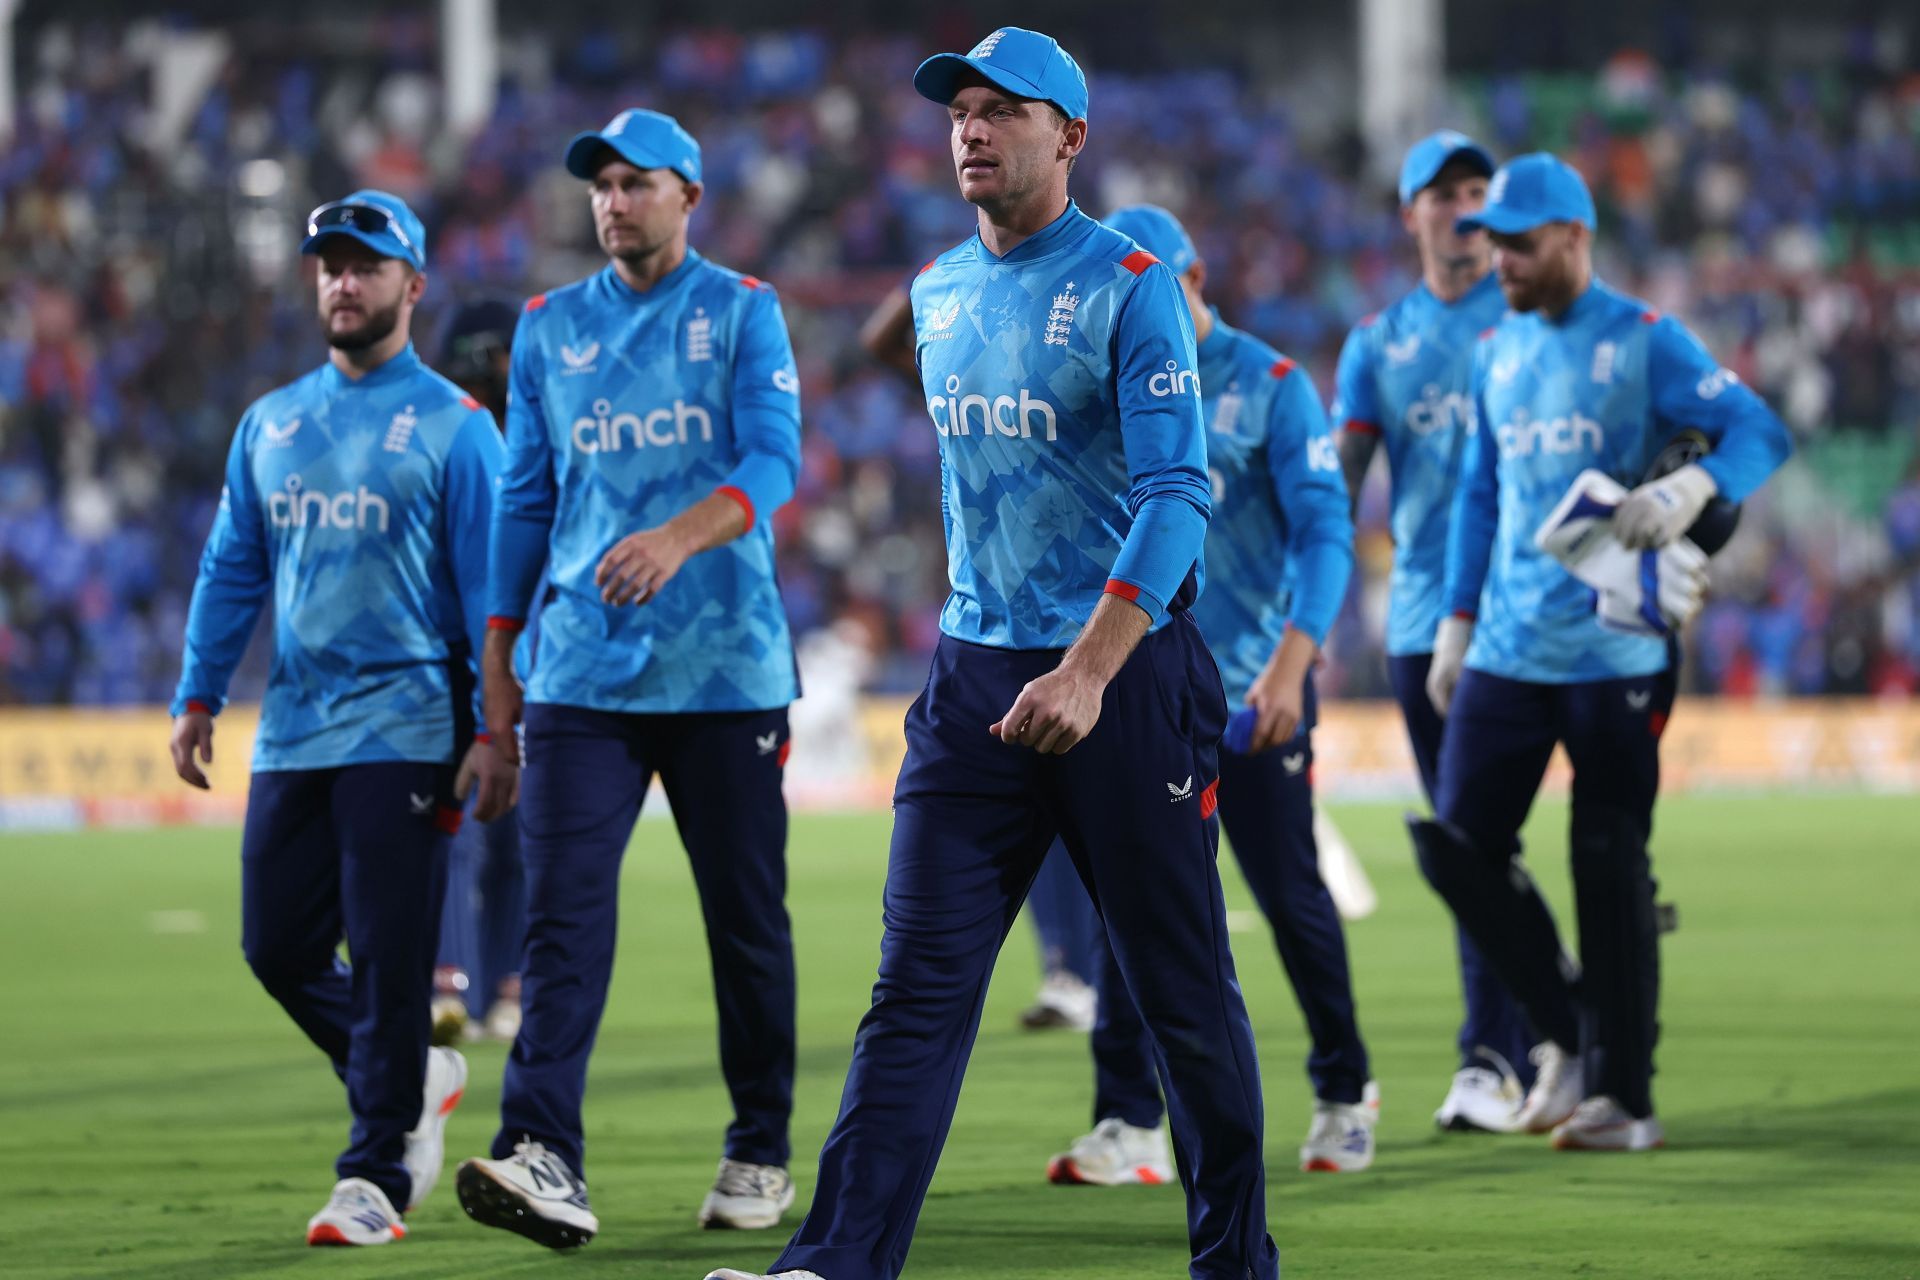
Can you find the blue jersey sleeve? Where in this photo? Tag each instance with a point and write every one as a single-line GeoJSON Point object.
{"type": "Point", "coordinates": [235, 579]}
{"type": "Point", "coordinates": [523, 513]}
{"type": "Point", "coordinates": [1690, 389]}
{"type": "Point", "coordinates": [766, 410]}
{"type": "Point", "coordinates": [1356, 406]}
{"type": "Point", "coordinates": [1169, 494]}
{"type": "Point", "coordinates": [473, 469]}
{"type": "Point", "coordinates": [1476, 506]}
{"type": "Point", "coordinates": [1306, 476]}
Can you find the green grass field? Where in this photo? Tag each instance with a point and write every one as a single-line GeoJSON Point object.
{"type": "Point", "coordinates": [163, 1118]}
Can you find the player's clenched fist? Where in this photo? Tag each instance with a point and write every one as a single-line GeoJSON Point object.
{"type": "Point", "coordinates": [640, 564]}
{"type": "Point", "coordinates": [1052, 713]}
{"type": "Point", "coordinates": [192, 735]}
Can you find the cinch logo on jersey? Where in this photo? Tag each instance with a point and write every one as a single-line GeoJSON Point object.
{"type": "Point", "coordinates": [301, 508]}
{"type": "Point", "coordinates": [954, 414]}
{"type": "Point", "coordinates": [1174, 382]}
{"type": "Point", "coordinates": [1525, 435]}
{"type": "Point", "coordinates": [1438, 410]}
{"type": "Point", "coordinates": [610, 432]}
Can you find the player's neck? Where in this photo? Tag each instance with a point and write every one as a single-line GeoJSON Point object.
{"type": "Point", "coordinates": [1451, 279]}
{"type": "Point", "coordinates": [1202, 324]}
{"type": "Point", "coordinates": [1577, 286]}
{"type": "Point", "coordinates": [1003, 228]}
{"type": "Point", "coordinates": [641, 274]}
{"type": "Point", "coordinates": [355, 365]}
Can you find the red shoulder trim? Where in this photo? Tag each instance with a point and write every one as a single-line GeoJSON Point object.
{"type": "Point", "coordinates": [1649, 316]}
{"type": "Point", "coordinates": [536, 302]}
{"type": "Point", "coordinates": [1366, 321]}
{"type": "Point", "coordinates": [1488, 331]}
{"type": "Point", "coordinates": [753, 282]}
{"type": "Point", "coordinates": [930, 264]}
{"type": "Point", "coordinates": [1282, 367]}
{"type": "Point", "coordinates": [469, 402]}
{"type": "Point", "coordinates": [1138, 261]}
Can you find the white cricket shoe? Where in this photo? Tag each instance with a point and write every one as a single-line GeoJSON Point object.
{"type": "Point", "coordinates": [1601, 1124]}
{"type": "Point", "coordinates": [357, 1213]}
{"type": "Point", "coordinates": [427, 1143]}
{"type": "Point", "coordinates": [532, 1193]}
{"type": "Point", "coordinates": [1340, 1138]}
{"type": "Point", "coordinates": [1557, 1089]}
{"type": "Point", "coordinates": [1115, 1154]}
{"type": "Point", "coordinates": [1482, 1099]}
{"type": "Point", "coordinates": [1062, 1001]}
{"type": "Point", "coordinates": [502, 1022]}
{"type": "Point", "coordinates": [746, 1196]}
{"type": "Point", "coordinates": [728, 1273]}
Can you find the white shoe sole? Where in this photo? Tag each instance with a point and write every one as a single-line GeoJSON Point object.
{"type": "Point", "coordinates": [435, 1137]}
{"type": "Point", "coordinates": [492, 1202]}
{"type": "Point", "coordinates": [1065, 1171]}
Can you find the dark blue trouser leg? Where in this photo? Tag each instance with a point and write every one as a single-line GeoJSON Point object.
{"type": "Point", "coordinates": [503, 910]}
{"type": "Point", "coordinates": [459, 931]}
{"type": "Point", "coordinates": [1493, 1018]}
{"type": "Point", "coordinates": [1064, 920]}
{"type": "Point", "coordinates": [1126, 1080]}
{"type": "Point", "coordinates": [1266, 804]}
{"type": "Point", "coordinates": [586, 775]}
{"type": "Point", "coordinates": [722, 775]}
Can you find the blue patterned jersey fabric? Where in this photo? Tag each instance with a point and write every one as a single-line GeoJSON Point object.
{"type": "Point", "coordinates": [1405, 375]}
{"type": "Point", "coordinates": [1061, 380]}
{"type": "Point", "coordinates": [1605, 385]}
{"type": "Point", "coordinates": [625, 409]}
{"type": "Point", "coordinates": [1280, 546]}
{"type": "Point", "coordinates": [361, 507]}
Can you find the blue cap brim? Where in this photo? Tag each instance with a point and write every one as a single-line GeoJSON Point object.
{"type": "Point", "coordinates": [1508, 222]}
{"type": "Point", "coordinates": [583, 151]}
{"type": "Point", "coordinates": [936, 79]}
{"type": "Point", "coordinates": [385, 246]}
{"type": "Point", "coordinates": [1472, 151]}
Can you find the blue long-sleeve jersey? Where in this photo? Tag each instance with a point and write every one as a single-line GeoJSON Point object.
{"type": "Point", "coordinates": [361, 507]}
{"type": "Point", "coordinates": [1063, 385]}
{"type": "Point", "coordinates": [625, 409]}
{"type": "Point", "coordinates": [1280, 547]}
{"type": "Point", "coordinates": [1605, 385]}
{"type": "Point", "coordinates": [1405, 376]}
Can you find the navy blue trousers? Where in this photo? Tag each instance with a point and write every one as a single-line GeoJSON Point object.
{"type": "Point", "coordinates": [972, 819]}
{"type": "Point", "coordinates": [484, 922]}
{"type": "Point", "coordinates": [1494, 1019]}
{"type": "Point", "coordinates": [355, 854]}
{"type": "Point", "coordinates": [1064, 921]}
{"type": "Point", "coordinates": [586, 774]}
{"type": "Point", "coordinates": [1266, 805]}
{"type": "Point", "coordinates": [1500, 735]}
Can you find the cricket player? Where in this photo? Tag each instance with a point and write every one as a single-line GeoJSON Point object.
{"type": "Point", "coordinates": [653, 428]}
{"type": "Point", "coordinates": [357, 499]}
{"type": "Point", "coordinates": [1404, 381]}
{"type": "Point", "coordinates": [1279, 553]}
{"type": "Point", "coordinates": [477, 980]}
{"type": "Point", "coordinates": [1070, 693]}
{"type": "Point", "coordinates": [1576, 377]}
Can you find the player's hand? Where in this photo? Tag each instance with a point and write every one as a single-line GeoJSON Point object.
{"type": "Point", "coordinates": [192, 735]}
{"type": "Point", "coordinates": [1661, 510]}
{"type": "Point", "coordinates": [1449, 659]}
{"type": "Point", "coordinates": [1279, 702]}
{"type": "Point", "coordinates": [501, 695]}
{"type": "Point", "coordinates": [1053, 713]}
{"type": "Point", "coordinates": [497, 778]}
{"type": "Point", "coordinates": [637, 566]}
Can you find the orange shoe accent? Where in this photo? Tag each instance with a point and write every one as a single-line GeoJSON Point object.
{"type": "Point", "coordinates": [1062, 1173]}
{"type": "Point", "coordinates": [326, 1233]}
{"type": "Point", "coordinates": [1320, 1164]}
{"type": "Point", "coordinates": [453, 1100]}
{"type": "Point", "coordinates": [1148, 1176]}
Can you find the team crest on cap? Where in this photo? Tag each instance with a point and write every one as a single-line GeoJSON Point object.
{"type": "Point", "coordinates": [986, 47]}
{"type": "Point", "coordinates": [1497, 189]}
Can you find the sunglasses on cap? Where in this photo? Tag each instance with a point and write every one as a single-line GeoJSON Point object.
{"type": "Point", "coordinates": [357, 215]}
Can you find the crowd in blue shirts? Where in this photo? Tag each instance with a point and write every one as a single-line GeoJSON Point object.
{"type": "Point", "coordinates": [150, 291]}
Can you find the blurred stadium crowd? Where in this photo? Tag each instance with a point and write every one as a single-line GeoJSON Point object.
{"type": "Point", "coordinates": [150, 289]}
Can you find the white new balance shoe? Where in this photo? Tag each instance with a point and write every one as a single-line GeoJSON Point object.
{"type": "Point", "coordinates": [1115, 1154]}
{"type": "Point", "coordinates": [532, 1193]}
{"type": "Point", "coordinates": [1340, 1137]}
{"type": "Point", "coordinates": [1557, 1089]}
{"type": "Point", "coordinates": [1482, 1099]}
{"type": "Point", "coordinates": [727, 1273]}
{"type": "Point", "coordinates": [1601, 1124]}
{"type": "Point", "coordinates": [357, 1213]}
{"type": "Point", "coordinates": [1062, 1001]}
{"type": "Point", "coordinates": [746, 1196]}
{"type": "Point", "coordinates": [427, 1143]}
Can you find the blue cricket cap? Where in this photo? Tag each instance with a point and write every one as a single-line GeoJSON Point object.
{"type": "Point", "coordinates": [1156, 231]}
{"type": "Point", "coordinates": [1016, 60]}
{"type": "Point", "coordinates": [1427, 157]}
{"type": "Point", "coordinates": [644, 139]}
{"type": "Point", "coordinates": [1530, 191]}
{"type": "Point", "coordinates": [379, 220]}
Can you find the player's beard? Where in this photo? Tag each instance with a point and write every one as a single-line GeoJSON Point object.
{"type": "Point", "coordinates": [375, 329]}
{"type": "Point", "coordinates": [635, 255]}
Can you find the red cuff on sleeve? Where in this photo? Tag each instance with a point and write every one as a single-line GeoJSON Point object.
{"type": "Point", "coordinates": [499, 623]}
{"type": "Point", "coordinates": [739, 495]}
{"type": "Point", "coordinates": [1125, 590]}
{"type": "Point", "coordinates": [197, 707]}
{"type": "Point", "coordinates": [1361, 428]}
{"type": "Point", "coordinates": [1465, 615]}
{"type": "Point", "coordinates": [483, 736]}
